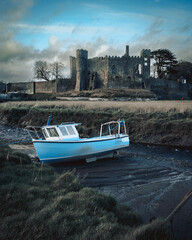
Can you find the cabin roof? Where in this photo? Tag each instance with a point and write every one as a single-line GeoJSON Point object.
{"type": "Point", "coordinates": [62, 124]}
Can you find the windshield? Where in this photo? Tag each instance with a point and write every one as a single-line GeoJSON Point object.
{"type": "Point", "coordinates": [52, 132]}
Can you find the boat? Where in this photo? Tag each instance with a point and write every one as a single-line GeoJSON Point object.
{"type": "Point", "coordinates": [62, 143]}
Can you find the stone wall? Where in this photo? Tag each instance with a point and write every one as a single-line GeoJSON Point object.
{"type": "Point", "coordinates": [167, 89]}
{"type": "Point", "coordinates": [22, 87]}
{"type": "Point", "coordinates": [97, 72]}
{"type": "Point", "coordinates": [45, 87]}
{"type": "Point", "coordinates": [65, 84]}
{"type": "Point", "coordinates": [157, 83]}
{"type": "Point", "coordinates": [2, 87]}
{"type": "Point", "coordinates": [124, 72]}
{"type": "Point", "coordinates": [60, 85]}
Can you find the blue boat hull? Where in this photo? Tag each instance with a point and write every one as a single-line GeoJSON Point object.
{"type": "Point", "coordinates": [65, 151]}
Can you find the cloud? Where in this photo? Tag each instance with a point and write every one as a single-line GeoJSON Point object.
{"type": "Point", "coordinates": [44, 29]}
{"type": "Point", "coordinates": [17, 61]}
{"type": "Point", "coordinates": [156, 38]}
{"type": "Point", "coordinates": [14, 57]}
{"type": "Point", "coordinates": [13, 10]}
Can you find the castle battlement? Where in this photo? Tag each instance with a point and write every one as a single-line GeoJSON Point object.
{"type": "Point", "coordinates": [114, 57]}
{"type": "Point", "coordinates": [135, 57]}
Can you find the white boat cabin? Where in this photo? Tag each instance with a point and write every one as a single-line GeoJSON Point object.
{"type": "Point", "coordinates": [68, 131]}
{"type": "Point", "coordinates": [63, 131]}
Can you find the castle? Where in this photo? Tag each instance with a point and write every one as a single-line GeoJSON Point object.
{"type": "Point", "coordinates": [109, 72]}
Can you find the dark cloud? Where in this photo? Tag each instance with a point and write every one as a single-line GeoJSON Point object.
{"type": "Point", "coordinates": [14, 58]}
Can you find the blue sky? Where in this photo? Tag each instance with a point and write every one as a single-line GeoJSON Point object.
{"type": "Point", "coordinates": [48, 30]}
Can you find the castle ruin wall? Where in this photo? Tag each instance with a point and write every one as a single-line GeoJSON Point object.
{"type": "Point", "coordinates": [97, 73]}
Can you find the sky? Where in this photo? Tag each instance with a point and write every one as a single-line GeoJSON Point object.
{"type": "Point", "coordinates": [47, 30]}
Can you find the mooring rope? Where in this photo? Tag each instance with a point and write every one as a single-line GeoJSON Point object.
{"type": "Point", "coordinates": [6, 144]}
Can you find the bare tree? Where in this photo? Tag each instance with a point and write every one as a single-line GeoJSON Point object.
{"type": "Point", "coordinates": [48, 72]}
{"type": "Point", "coordinates": [41, 70]}
{"type": "Point", "coordinates": [57, 70]}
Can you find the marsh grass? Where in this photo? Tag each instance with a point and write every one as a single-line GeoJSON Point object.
{"type": "Point", "coordinates": [52, 206]}
{"type": "Point", "coordinates": [184, 107]}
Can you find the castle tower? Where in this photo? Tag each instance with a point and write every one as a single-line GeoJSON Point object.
{"type": "Point", "coordinates": [145, 67]}
{"type": "Point", "coordinates": [81, 69]}
{"type": "Point", "coordinates": [73, 68]}
{"type": "Point", "coordinates": [127, 51]}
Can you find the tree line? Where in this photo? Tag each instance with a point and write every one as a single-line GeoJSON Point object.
{"type": "Point", "coordinates": [165, 64]}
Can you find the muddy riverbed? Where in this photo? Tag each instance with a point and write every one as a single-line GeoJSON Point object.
{"type": "Point", "coordinates": [152, 180]}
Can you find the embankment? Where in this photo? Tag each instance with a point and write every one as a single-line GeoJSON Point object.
{"type": "Point", "coordinates": [158, 122]}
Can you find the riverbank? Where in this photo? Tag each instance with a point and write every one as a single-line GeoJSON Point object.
{"type": "Point", "coordinates": [146, 197]}
{"type": "Point", "coordinates": [38, 203]}
{"type": "Point", "coordinates": [166, 123]}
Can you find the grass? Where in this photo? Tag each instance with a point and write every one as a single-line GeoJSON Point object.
{"type": "Point", "coordinates": [131, 106]}
{"type": "Point", "coordinates": [110, 94]}
{"type": "Point", "coordinates": [37, 203]}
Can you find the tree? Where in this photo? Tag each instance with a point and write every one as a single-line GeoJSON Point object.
{"type": "Point", "coordinates": [56, 70]}
{"type": "Point", "coordinates": [164, 60]}
{"type": "Point", "coordinates": [41, 70]}
{"type": "Point", "coordinates": [48, 72]}
{"type": "Point", "coordinates": [182, 69]}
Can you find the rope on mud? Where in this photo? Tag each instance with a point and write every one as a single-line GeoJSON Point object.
{"type": "Point", "coordinates": [6, 144]}
{"type": "Point", "coordinates": [183, 201]}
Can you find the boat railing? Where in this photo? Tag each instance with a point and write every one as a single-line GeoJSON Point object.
{"type": "Point", "coordinates": [119, 128]}
{"type": "Point", "coordinates": [34, 132]}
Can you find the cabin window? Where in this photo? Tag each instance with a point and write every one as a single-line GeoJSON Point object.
{"type": "Point", "coordinates": [70, 130]}
{"type": "Point", "coordinates": [63, 131]}
{"type": "Point", "coordinates": [52, 132]}
{"type": "Point", "coordinates": [44, 133]}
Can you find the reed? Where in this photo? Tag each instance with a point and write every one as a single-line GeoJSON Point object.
{"type": "Point", "coordinates": [128, 106]}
